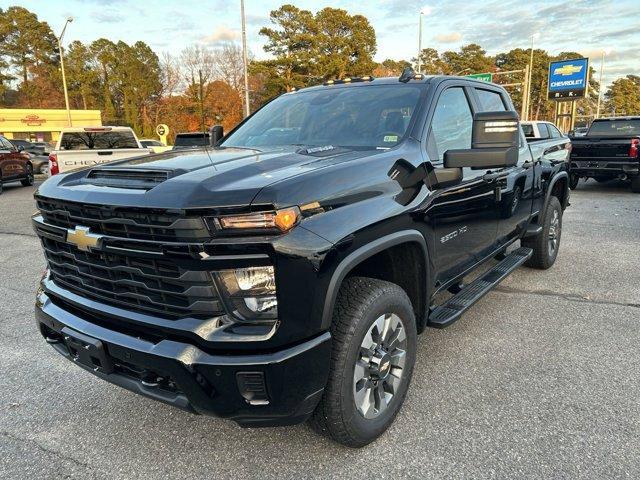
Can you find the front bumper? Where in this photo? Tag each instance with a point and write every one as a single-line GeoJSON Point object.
{"type": "Point", "coordinates": [189, 378]}
{"type": "Point", "coordinates": [604, 167]}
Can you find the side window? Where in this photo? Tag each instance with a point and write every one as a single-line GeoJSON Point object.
{"type": "Point", "coordinates": [5, 144]}
{"type": "Point", "coordinates": [555, 133]}
{"type": "Point", "coordinates": [490, 101]}
{"type": "Point", "coordinates": [544, 131]}
{"type": "Point", "coordinates": [451, 124]}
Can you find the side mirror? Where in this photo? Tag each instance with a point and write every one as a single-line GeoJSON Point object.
{"type": "Point", "coordinates": [494, 143]}
{"type": "Point", "coordinates": [215, 135]}
{"type": "Point", "coordinates": [572, 133]}
{"type": "Point", "coordinates": [19, 148]}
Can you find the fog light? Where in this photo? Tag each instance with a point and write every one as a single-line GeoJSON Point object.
{"type": "Point", "coordinates": [250, 292]}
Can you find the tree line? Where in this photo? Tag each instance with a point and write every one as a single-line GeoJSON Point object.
{"type": "Point", "coordinates": [133, 85]}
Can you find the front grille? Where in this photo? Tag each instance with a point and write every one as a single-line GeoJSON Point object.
{"type": "Point", "coordinates": [151, 286]}
{"type": "Point", "coordinates": [125, 222]}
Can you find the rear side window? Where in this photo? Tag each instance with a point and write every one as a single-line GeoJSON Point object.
{"type": "Point", "coordinates": [451, 125]}
{"type": "Point", "coordinates": [106, 140]}
{"type": "Point", "coordinates": [490, 101]}
{"type": "Point", "coordinates": [527, 128]}
{"type": "Point", "coordinates": [544, 131]}
{"type": "Point", "coordinates": [555, 133]}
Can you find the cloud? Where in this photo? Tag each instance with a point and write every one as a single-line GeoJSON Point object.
{"type": "Point", "coordinates": [253, 19]}
{"type": "Point", "coordinates": [108, 16]}
{"type": "Point", "coordinates": [222, 34]}
{"type": "Point", "coordinates": [449, 37]}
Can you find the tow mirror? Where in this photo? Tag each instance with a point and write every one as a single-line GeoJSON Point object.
{"type": "Point", "coordinates": [494, 143]}
{"type": "Point", "coordinates": [215, 135]}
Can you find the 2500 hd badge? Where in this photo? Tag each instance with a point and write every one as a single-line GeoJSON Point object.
{"type": "Point", "coordinates": [269, 281]}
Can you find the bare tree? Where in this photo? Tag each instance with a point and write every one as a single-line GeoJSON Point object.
{"type": "Point", "coordinates": [195, 59]}
{"type": "Point", "coordinates": [229, 65]}
{"type": "Point", "coordinates": [171, 77]}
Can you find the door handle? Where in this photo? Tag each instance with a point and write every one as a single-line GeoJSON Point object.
{"type": "Point", "coordinates": [105, 153]}
{"type": "Point", "coordinates": [527, 164]}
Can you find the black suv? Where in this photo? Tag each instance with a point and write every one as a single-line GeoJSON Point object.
{"type": "Point", "coordinates": [285, 273]}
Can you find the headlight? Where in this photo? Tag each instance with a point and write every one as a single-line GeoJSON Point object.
{"type": "Point", "coordinates": [277, 221]}
{"type": "Point", "coordinates": [251, 292]}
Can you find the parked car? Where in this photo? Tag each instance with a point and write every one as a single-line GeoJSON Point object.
{"type": "Point", "coordinates": [27, 146]}
{"type": "Point", "coordinates": [191, 140]}
{"type": "Point", "coordinates": [156, 146]}
{"type": "Point", "coordinates": [609, 150]}
{"type": "Point", "coordinates": [80, 147]}
{"type": "Point", "coordinates": [285, 274]}
{"type": "Point", "coordinates": [545, 139]}
{"type": "Point", "coordinates": [15, 165]}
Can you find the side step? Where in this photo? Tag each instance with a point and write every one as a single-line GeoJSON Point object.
{"type": "Point", "coordinates": [444, 315]}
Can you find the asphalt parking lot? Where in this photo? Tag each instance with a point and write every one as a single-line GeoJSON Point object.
{"type": "Point", "coordinates": [540, 379]}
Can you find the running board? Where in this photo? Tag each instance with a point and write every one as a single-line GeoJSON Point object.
{"type": "Point", "coordinates": [444, 315]}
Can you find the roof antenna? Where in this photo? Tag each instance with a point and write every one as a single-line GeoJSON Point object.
{"type": "Point", "coordinates": [407, 74]}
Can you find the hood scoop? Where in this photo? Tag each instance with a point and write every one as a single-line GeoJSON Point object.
{"type": "Point", "coordinates": [137, 178]}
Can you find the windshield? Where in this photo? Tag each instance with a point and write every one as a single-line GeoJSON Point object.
{"type": "Point", "coordinates": [616, 128]}
{"type": "Point", "coordinates": [375, 116]}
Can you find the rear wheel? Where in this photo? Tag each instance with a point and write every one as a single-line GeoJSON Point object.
{"type": "Point", "coordinates": [635, 184]}
{"type": "Point", "coordinates": [545, 245]}
{"type": "Point", "coordinates": [573, 181]}
{"type": "Point", "coordinates": [0, 185]}
{"type": "Point", "coordinates": [374, 345]}
{"type": "Point", "coordinates": [28, 181]}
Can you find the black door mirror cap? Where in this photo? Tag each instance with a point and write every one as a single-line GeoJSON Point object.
{"type": "Point", "coordinates": [215, 135]}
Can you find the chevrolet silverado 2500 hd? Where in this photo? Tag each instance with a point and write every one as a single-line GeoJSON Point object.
{"type": "Point", "coordinates": [285, 273]}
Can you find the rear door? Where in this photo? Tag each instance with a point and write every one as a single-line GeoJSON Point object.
{"type": "Point", "coordinates": [12, 163]}
{"type": "Point", "coordinates": [464, 216]}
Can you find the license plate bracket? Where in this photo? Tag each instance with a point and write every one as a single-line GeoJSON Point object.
{"type": "Point", "coordinates": [87, 351]}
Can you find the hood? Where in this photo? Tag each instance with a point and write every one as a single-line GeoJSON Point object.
{"type": "Point", "coordinates": [202, 178]}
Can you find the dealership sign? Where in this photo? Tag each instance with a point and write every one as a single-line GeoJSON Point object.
{"type": "Point", "coordinates": [568, 79]}
{"type": "Point", "coordinates": [485, 77]}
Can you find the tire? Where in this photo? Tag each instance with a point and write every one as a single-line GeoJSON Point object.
{"type": "Point", "coordinates": [357, 373]}
{"type": "Point", "coordinates": [27, 182]}
{"type": "Point", "coordinates": [573, 181]}
{"type": "Point", "coordinates": [635, 184]}
{"type": "Point", "coordinates": [0, 185]}
{"type": "Point", "coordinates": [546, 244]}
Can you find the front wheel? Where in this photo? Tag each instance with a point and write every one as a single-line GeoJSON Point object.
{"type": "Point", "coordinates": [573, 181]}
{"type": "Point", "coordinates": [374, 347]}
{"type": "Point", "coordinates": [546, 244]}
{"type": "Point", "coordinates": [28, 180]}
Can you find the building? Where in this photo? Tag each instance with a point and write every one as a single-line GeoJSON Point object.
{"type": "Point", "coordinates": [43, 125]}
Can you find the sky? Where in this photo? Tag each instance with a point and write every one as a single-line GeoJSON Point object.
{"type": "Point", "coordinates": [585, 26]}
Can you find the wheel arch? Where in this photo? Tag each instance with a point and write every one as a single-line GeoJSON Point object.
{"type": "Point", "coordinates": [355, 262]}
{"type": "Point", "coordinates": [558, 187]}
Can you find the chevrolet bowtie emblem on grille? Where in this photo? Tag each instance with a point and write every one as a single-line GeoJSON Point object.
{"type": "Point", "coordinates": [83, 239]}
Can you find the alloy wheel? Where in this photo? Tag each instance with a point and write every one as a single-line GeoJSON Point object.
{"type": "Point", "coordinates": [380, 364]}
{"type": "Point", "coordinates": [554, 232]}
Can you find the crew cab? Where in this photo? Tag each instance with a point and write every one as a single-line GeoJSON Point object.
{"type": "Point", "coordinates": [609, 150]}
{"type": "Point", "coordinates": [284, 273]}
{"type": "Point", "coordinates": [80, 147]}
{"type": "Point", "coordinates": [15, 165]}
{"type": "Point", "coordinates": [546, 140]}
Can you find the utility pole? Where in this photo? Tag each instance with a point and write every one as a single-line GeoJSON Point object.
{"type": "Point", "coordinates": [245, 62]}
{"type": "Point", "coordinates": [64, 78]}
{"type": "Point", "coordinates": [600, 85]}
{"type": "Point", "coordinates": [423, 11]}
{"type": "Point", "coordinates": [201, 89]}
{"type": "Point", "coordinates": [525, 94]}
{"type": "Point", "coordinates": [526, 112]}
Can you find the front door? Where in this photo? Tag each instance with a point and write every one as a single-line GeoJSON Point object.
{"type": "Point", "coordinates": [463, 217]}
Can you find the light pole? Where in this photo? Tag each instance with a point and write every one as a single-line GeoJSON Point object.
{"type": "Point", "coordinates": [64, 78]}
{"type": "Point", "coordinates": [424, 11]}
{"type": "Point", "coordinates": [528, 100]}
{"type": "Point", "coordinates": [244, 61]}
{"type": "Point", "coordinates": [604, 52]}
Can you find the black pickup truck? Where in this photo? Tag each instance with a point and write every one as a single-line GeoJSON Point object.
{"type": "Point", "coordinates": [609, 150]}
{"type": "Point", "coordinates": [284, 273]}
